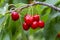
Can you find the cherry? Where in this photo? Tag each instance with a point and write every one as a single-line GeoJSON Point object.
{"type": "Point", "coordinates": [25, 26]}
{"type": "Point", "coordinates": [34, 25]}
{"type": "Point", "coordinates": [15, 16]}
{"type": "Point", "coordinates": [36, 17]}
{"type": "Point", "coordinates": [41, 24]}
{"type": "Point", "coordinates": [26, 16]}
{"type": "Point", "coordinates": [28, 19]}
{"type": "Point", "coordinates": [58, 35]}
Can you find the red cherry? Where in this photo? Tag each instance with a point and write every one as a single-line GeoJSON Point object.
{"type": "Point", "coordinates": [25, 26]}
{"type": "Point", "coordinates": [15, 16]}
{"type": "Point", "coordinates": [58, 35]}
{"type": "Point", "coordinates": [36, 17]}
{"type": "Point", "coordinates": [41, 24]}
{"type": "Point", "coordinates": [28, 19]}
{"type": "Point", "coordinates": [34, 25]}
{"type": "Point", "coordinates": [27, 16]}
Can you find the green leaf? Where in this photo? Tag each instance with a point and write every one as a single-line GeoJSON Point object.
{"type": "Point", "coordinates": [3, 10]}
{"type": "Point", "coordinates": [1, 2]}
{"type": "Point", "coordinates": [45, 14]}
{"type": "Point", "coordinates": [53, 2]}
{"type": "Point", "coordinates": [41, 0]}
{"type": "Point", "coordinates": [20, 1]}
{"type": "Point", "coordinates": [6, 37]}
{"type": "Point", "coordinates": [52, 27]}
{"type": "Point", "coordinates": [19, 5]}
{"type": "Point", "coordinates": [10, 1]}
{"type": "Point", "coordinates": [39, 35]}
{"type": "Point", "coordinates": [2, 20]}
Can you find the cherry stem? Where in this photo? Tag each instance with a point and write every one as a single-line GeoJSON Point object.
{"type": "Point", "coordinates": [24, 35]}
{"type": "Point", "coordinates": [36, 11]}
{"type": "Point", "coordinates": [32, 10]}
{"type": "Point", "coordinates": [28, 10]}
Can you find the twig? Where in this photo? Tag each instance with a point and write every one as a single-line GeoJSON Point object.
{"type": "Point", "coordinates": [40, 3]}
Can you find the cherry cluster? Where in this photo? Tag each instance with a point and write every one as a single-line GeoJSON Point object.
{"type": "Point", "coordinates": [32, 21]}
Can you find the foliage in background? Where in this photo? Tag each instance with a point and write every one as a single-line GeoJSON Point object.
{"type": "Point", "coordinates": [10, 30]}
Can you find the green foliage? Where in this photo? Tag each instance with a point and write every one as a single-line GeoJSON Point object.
{"type": "Point", "coordinates": [11, 30]}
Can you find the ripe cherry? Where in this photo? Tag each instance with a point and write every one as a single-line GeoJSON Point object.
{"type": "Point", "coordinates": [28, 19]}
{"type": "Point", "coordinates": [58, 35]}
{"type": "Point", "coordinates": [41, 24]}
{"type": "Point", "coordinates": [15, 16]}
{"type": "Point", "coordinates": [25, 26]}
{"type": "Point", "coordinates": [36, 17]}
{"type": "Point", "coordinates": [34, 25]}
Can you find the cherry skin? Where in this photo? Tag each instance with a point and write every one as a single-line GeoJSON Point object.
{"type": "Point", "coordinates": [15, 16]}
{"type": "Point", "coordinates": [41, 24]}
{"type": "Point", "coordinates": [25, 26]}
{"type": "Point", "coordinates": [36, 17]}
{"type": "Point", "coordinates": [34, 25]}
{"type": "Point", "coordinates": [28, 19]}
{"type": "Point", "coordinates": [58, 35]}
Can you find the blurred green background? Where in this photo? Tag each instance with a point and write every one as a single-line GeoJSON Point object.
{"type": "Point", "coordinates": [10, 30]}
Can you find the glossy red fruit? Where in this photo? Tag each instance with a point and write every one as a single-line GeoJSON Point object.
{"type": "Point", "coordinates": [15, 16]}
{"type": "Point", "coordinates": [28, 19]}
{"type": "Point", "coordinates": [34, 25]}
{"type": "Point", "coordinates": [58, 35]}
{"type": "Point", "coordinates": [41, 24]}
{"type": "Point", "coordinates": [36, 17]}
{"type": "Point", "coordinates": [26, 16]}
{"type": "Point", "coordinates": [25, 26]}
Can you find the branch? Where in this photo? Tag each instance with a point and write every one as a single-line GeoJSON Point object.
{"type": "Point", "coordinates": [40, 3]}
